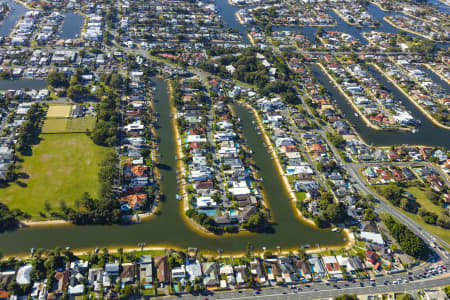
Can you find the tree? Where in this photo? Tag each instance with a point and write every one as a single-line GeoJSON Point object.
{"type": "Point", "coordinates": [47, 205]}
{"type": "Point", "coordinates": [128, 291]}
{"type": "Point", "coordinates": [346, 297]}
{"type": "Point", "coordinates": [57, 79]}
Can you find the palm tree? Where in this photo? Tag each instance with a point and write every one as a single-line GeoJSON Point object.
{"type": "Point", "coordinates": [120, 251]}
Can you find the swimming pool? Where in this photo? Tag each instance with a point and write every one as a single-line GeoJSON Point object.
{"type": "Point", "coordinates": [208, 212]}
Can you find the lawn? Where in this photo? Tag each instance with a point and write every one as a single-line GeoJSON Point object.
{"type": "Point", "coordinates": [71, 125]}
{"type": "Point", "coordinates": [80, 124]}
{"type": "Point", "coordinates": [62, 166]}
{"type": "Point", "coordinates": [59, 111]}
{"type": "Point", "coordinates": [426, 203]}
{"type": "Point", "coordinates": [423, 200]}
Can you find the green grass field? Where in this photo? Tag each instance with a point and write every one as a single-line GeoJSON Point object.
{"type": "Point", "coordinates": [62, 166]}
{"type": "Point", "coordinates": [427, 204]}
{"type": "Point", "coordinates": [64, 125]}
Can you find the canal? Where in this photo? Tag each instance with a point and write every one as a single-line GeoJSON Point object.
{"type": "Point", "coordinates": [71, 27]}
{"type": "Point", "coordinates": [428, 133]}
{"type": "Point", "coordinates": [169, 228]}
{"type": "Point", "coordinates": [16, 11]}
{"type": "Point", "coordinates": [22, 84]}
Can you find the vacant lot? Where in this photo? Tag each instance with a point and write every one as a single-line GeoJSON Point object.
{"type": "Point", "coordinates": [62, 167]}
{"type": "Point", "coordinates": [59, 111]}
{"type": "Point", "coordinates": [68, 125]}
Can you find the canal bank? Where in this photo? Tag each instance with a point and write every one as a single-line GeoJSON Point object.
{"type": "Point", "coordinates": [167, 228]}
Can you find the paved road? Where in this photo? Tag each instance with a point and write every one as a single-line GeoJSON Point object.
{"type": "Point", "coordinates": [325, 291]}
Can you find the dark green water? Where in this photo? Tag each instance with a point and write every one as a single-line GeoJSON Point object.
{"type": "Point", "coordinates": [169, 228]}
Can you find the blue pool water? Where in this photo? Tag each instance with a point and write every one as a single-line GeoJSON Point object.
{"type": "Point", "coordinates": [208, 212]}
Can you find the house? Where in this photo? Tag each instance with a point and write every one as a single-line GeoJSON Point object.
{"type": "Point", "coordinates": [162, 269]}
{"type": "Point", "coordinates": [228, 272]}
{"type": "Point", "coordinates": [193, 269]}
{"type": "Point", "coordinates": [127, 274]}
{"type": "Point", "coordinates": [288, 272]}
{"type": "Point", "coordinates": [303, 269]}
{"type": "Point", "coordinates": [372, 258]}
{"type": "Point", "coordinates": [257, 270]}
{"type": "Point", "coordinates": [241, 273]}
{"type": "Point", "coordinates": [112, 269]}
{"type": "Point", "coordinates": [179, 273]}
{"type": "Point", "coordinates": [146, 268]}
{"type": "Point", "coordinates": [332, 266]}
{"type": "Point", "coordinates": [376, 238]}
{"type": "Point", "coordinates": [23, 274]}
{"type": "Point", "coordinates": [210, 274]}
{"type": "Point", "coordinates": [350, 264]}
{"type": "Point", "coordinates": [316, 265]}
{"type": "Point", "coordinates": [63, 279]}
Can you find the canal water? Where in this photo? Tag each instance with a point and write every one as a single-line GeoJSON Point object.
{"type": "Point", "coordinates": [169, 228]}
{"type": "Point", "coordinates": [16, 11]}
{"type": "Point", "coordinates": [71, 27]}
{"type": "Point", "coordinates": [440, 5]}
{"type": "Point", "coordinates": [22, 84]}
{"type": "Point", "coordinates": [428, 133]}
{"type": "Point", "coordinates": [227, 11]}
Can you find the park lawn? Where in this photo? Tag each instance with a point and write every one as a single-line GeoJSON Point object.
{"type": "Point", "coordinates": [423, 200]}
{"type": "Point", "coordinates": [62, 166]}
{"type": "Point", "coordinates": [80, 124]}
{"type": "Point", "coordinates": [426, 203]}
{"type": "Point", "coordinates": [69, 125]}
{"type": "Point", "coordinates": [54, 125]}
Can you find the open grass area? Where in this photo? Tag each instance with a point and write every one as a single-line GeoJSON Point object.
{"type": "Point", "coordinates": [59, 111]}
{"type": "Point", "coordinates": [427, 204]}
{"type": "Point", "coordinates": [54, 125]}
{"type": "Point", "coordinates": [62, 166]}
{"type": "Point", "coordinates": [80, 124]}
{"type": "Point", "coordinates": [423, 200]}
{"type": "Point", "coordinates": [71, 125]}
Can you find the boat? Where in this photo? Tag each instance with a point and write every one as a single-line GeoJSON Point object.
{"type": "Point", "coordinates": [415, 130]}
{"type": "Point", "coordinates": [356, 115]}
{"type": "Point", "coordinates": [336, 230]}
{"type": "Point", "coordinates": [178, 197]}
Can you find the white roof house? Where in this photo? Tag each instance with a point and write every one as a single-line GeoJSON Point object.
{"type": "Point", "coordinates": [373, 237]}
{"type": "Point", "coordinates": [23, 275]}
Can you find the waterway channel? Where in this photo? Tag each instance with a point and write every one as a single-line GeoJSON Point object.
{"type": "Point", "coordinates": [70, 29]}
{"type": "Point", "coordinates": [428, 133]}
{"type": "Point", "coordinates": [22, 84]}
{"type": "Point", "coordinates": [227, 12]}
{"type": "Point", "coordinates": [169, 228]}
